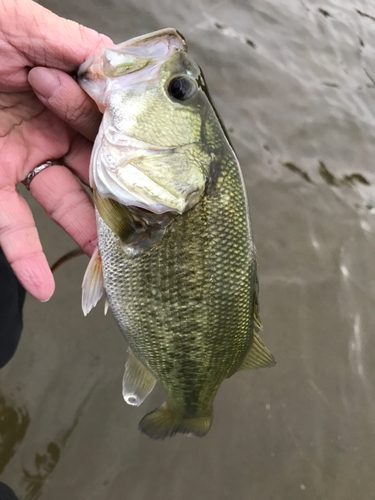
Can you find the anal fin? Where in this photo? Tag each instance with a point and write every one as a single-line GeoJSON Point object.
{"type": "Point", "coordinates": [93, 283]}
{"type": "Point", "coordinates": [258, 356]}
{"type": "Point", "coordinates": [137, 383]}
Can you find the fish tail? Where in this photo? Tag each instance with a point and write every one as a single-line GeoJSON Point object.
{"type": "Point", "coordinates": [164, 422]}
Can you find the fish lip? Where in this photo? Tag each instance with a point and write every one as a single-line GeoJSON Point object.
{"type": "Point", "coordinates": [168, 33]}
{"type": "Point", "coordinates": [136, 47]}
{"type": "Point", "coordinates": [82, 68]}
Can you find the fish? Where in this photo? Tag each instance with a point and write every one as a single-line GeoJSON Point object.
{"type": "Point", "coordinates": [176, 257]}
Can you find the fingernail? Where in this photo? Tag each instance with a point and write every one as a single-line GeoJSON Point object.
{"type": "Point", "coordinates": [44, 81]}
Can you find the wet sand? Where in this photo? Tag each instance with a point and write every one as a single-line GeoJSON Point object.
{"type": "Point", "coordinates": [294, 82]}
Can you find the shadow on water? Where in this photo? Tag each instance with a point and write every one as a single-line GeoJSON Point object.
{"type": "Point", "coordinates": [347, 180]}
{"type": "Point", "coordinates": [44, 464]}
{"type": "Point", "coordinates": [14, 422]}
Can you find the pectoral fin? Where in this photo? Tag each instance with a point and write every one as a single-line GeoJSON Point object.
{"type": "Point", "coordinates": [137, 383]}
{"type": "Point", "coordinates": [258, 356]}
{"type": "Point", "coordinates": [116, 216]}
{"type": "Point", "coordinates": [93, 283]}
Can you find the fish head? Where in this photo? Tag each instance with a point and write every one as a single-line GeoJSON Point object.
{"type": "Point", "coordinates": [150, 152]}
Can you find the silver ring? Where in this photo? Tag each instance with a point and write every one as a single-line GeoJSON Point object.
{"type": "Point", "coordinates": [40, 168]}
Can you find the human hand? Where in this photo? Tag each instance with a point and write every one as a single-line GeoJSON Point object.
{"type": "Point", "coordinates": [44, 114]}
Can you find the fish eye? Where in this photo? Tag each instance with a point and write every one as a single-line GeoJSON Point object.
{"type": "Point", "coordinates": [182, 88]}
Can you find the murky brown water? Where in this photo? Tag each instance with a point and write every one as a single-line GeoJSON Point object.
{"type": "Point", "coordinates": [295, 84]}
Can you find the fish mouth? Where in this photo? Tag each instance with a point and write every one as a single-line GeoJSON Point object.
{"type": "Point", "coordinates": [141, 55]}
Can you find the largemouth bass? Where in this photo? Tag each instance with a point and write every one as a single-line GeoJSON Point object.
{"type": "Point", "coordinates": [175, 255]}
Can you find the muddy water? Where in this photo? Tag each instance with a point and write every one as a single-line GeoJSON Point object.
{"type": "Point", "coordinates": [295, 84]}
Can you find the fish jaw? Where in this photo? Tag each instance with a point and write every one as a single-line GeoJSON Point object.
{"type": "Point", "coordinates": [141, 56]}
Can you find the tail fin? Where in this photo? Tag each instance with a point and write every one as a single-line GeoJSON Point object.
{"type": "Point", "coordinates": [164, 422]}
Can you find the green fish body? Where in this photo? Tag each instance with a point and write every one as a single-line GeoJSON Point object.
{"type": "Point", "coordinates": [178, 265]}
